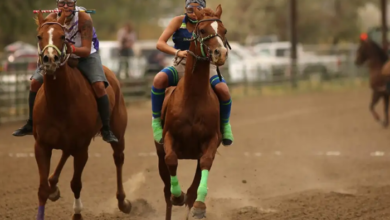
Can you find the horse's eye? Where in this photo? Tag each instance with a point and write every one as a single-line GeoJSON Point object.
{"type": "Point", "coordinates": [225, 31]}
{"type": "Point", "coordinates": [39, 37]}
{"type": "Point", "coordinates": [63, 37]}
{"type": "Point", "coordinates": [202, 31]}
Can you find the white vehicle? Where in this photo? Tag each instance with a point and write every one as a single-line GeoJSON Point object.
{"type": "Point", "coordinates": [241, 64]}
{"type": "Point", "coordinates": [244, 65]}
{"type": "Point", "coordinates": [278, 60]}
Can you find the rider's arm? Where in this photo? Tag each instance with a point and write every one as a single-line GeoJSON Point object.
{"type": "Point", "coordinates": [86, 32]}
{"type": "Point", "coordinates": [168, 32]}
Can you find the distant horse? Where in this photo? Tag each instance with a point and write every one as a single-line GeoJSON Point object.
{"type": "Point", "coordinates": [66, 118]}
{"type": "Point", "coordinates": [371, 52]}
{"type": "Point", "coordinates": [191, 116]}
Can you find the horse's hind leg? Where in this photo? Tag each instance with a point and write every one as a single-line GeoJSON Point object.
{"type": "Point", "coordinates": [386, 110]}
{"type": "Point", "coordinates": [43, 156]}
{"type": "Point", "coordinates": [53, 179]}
{"type": "Point", "coordinates": [119, 158]}
{"type": "Point", "coordinates": [171, 160]}
{"type": "Point", "coordinates": [374, 100]}
{"type": "Point", "coordinates": [164, 174]}
{"type": "Point", "coordinates": [80, 159]}
{"type": "Point", "coordinates": [206, 161]}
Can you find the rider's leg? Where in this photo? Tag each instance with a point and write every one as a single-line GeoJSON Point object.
{"type": "Point", "coordinates": [92, 68]}
{"type": "Point", "coordinates": [167, 77]}
{"type": "Point", "coordinates": [225, 102]}
{"type": "Point", "coordinates": [36, 83]}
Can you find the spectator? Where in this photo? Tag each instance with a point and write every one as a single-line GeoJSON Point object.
{"type": "Point", "coordinates": [126, 39]}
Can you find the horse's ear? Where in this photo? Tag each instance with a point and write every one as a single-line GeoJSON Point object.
{"type": "Point", "coordinates": [62, 19]}
{"type": "Point", "coordinates": [218, 11]}
{"type": "Point", "coordinates": [198, 14]}
{"type": "Point", "coordinates": [39, 19]}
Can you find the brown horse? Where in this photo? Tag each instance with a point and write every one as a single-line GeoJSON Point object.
{"type": "Point", "coordinates": [65, 117]}
{"type": "Point", "coordinates": [191, 116]}
{"type": "Point", "coordinates": [371, 52]}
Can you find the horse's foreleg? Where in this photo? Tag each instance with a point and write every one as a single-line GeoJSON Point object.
{"type": "Point", "coordinates": [80, 159]}
{"type": "Point", "coordinates": [53, 180]}
{"type": "Point", "coordinates": [171, 160]}
{"type": "Point", "coordinates": [206, 161]}
{"type": "Point", "coordinates": [374, 100]}
{"type": "Point", "coordinates": [43, 156]}
{"type": "Point", "coordinates": [164, 174]}
{"type": "Point", "coordinates": [119, 158]}
{"type": "Point", "coordinates": [191, 192]}
{"type": "Point", "coordinates": [386, 110]}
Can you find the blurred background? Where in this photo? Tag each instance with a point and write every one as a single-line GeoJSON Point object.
{"type": "Point", "coordinates": [313, 151]}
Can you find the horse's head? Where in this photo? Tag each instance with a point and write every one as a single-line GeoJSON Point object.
{"type": "Point", "coordinates": [362, 54]}
{"type": "Point", "coordinates": [369, 50]}
{"type": "Point", "coordinates": [52, 47]}
{"type": "Point", "coordinates": [210, 33]}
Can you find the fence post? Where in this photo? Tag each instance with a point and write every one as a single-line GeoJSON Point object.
{"type": "Point", "coordinates": [293, 39]}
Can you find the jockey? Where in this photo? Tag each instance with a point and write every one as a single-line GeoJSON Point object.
{"type": "Point", "coordinates": [81, 36]}
{"type": "Point", "coordinates": [180, 29]}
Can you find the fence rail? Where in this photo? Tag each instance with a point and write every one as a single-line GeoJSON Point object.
{"type": "Point", "coordinates": [15, 83]}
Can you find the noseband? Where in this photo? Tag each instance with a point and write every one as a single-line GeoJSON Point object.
{"type": "Point", "coordinates": [64, 57]}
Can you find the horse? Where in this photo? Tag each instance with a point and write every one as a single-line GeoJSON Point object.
{"type": "Point", "coordinates": [66, 118]}
{"type": "Point", "coordinates": [371, 52]}
{"type": "Point", "coordinates": [190, 116]}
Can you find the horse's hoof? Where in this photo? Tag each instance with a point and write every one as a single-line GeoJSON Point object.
{"type": "Point", "coordinates": [198, 213]}
{"type": "Point", "coordinates": [125, 206]}
{"type": "Point", "coordinates": [55, 195]}
{"type": "Point", "coordinates": [179, 201]}
{"type": "Point", "coordinates": [77, 217]}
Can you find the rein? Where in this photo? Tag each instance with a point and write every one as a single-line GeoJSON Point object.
{"type": "Point", "coordinates": [63, 55]}
{"type": "Point", "coordinates": [206, 56]}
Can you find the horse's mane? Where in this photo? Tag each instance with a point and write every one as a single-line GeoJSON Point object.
{"type": "Point", "coordinates": [379, 51]}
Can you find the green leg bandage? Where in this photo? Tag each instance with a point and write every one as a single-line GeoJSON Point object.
{"type": "Point", "coordinates": [175, 187]}
{"type": "Point", "coordinates": [202, 189]}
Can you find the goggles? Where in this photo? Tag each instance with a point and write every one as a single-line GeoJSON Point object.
{"type": "Point", "coordinates": [190, 9]}
{"type": "Point", "coordinates": [69, 3]}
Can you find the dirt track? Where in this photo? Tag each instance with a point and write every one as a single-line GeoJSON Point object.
{"type": "Point", "coordinates": [295, 157]}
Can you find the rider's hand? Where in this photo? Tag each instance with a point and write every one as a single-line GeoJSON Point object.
{"type": "Point", "coordinates": [69, 49]}
{"type": "Point", "coordinates": [182, 54]}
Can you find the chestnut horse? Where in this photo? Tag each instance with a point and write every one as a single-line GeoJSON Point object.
{"type": "Point", "coordinates": [191, 122]}
{"type": "Point", "coordinates": [371, 52]}
{"type": "Point", "coordinates": [66, 117]}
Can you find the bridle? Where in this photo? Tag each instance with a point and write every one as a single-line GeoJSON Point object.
{"type": "Point", "coordinates": [205, 54]}
{"type": "Point", "coordinates": [63, 55]}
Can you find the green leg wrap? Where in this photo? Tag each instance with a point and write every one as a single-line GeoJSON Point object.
{"type": "Point", "coordinates": [202, 189]}
{"type": "Point", "coordinates": [175, 187]}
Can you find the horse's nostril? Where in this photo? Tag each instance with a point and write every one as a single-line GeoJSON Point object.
{"type": "Point", "coordinates": [56, 58]}
{"type": "Point", "coordinates": [45, 59]}
{"type": "Point", "coordinates": [216, 52]}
